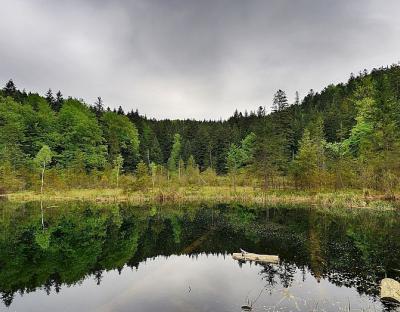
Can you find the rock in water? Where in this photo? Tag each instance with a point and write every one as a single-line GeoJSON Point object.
{"type": "Point", "coordinates": [390, 290]}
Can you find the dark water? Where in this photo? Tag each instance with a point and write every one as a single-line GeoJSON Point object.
{"type": "Point", "coordinates": [85, 257]}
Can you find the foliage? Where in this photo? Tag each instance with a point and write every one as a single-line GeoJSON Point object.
{"type": "Point", "coordinates": [175, 156]}
{"type": "Point", "coordinates": [43, 157]}
{"type": "Point", "coordinates": [346, 136]}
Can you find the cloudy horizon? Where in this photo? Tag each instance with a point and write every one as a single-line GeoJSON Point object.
{"type": "Point", "coordinates": [192, 59]}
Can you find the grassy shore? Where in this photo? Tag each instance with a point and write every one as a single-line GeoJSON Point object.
{"type": "Point", "coordinates": [219, 194]}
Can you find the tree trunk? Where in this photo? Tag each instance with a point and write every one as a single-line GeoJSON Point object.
{"type": "Point", "coordinates": [42, 213]}
{"type": "Point", "coordinates": [41, 187]}
{"type": "Point", "coordinates": [234, 182]}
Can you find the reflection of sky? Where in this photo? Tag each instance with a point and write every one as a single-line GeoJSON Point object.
{"type": "Point", "coordinates": [181, 283]}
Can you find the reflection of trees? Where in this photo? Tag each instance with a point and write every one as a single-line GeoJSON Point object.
{"type": "Point", "coordinates": [284, 272]}
{"type": "Point", "coordinates": [316, 253]}
{"type": "Point", "coordinates": [84, 240]}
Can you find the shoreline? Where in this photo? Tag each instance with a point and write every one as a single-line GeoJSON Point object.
{"type": "Point", "coordinates": [340, 199]}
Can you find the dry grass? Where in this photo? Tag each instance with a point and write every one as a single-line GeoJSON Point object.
{"type": "Point", "coordinates": [216, 194]}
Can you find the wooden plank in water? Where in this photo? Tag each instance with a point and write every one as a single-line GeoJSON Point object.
{"type": "Point", "coordinates": [390, 289]}
{"type": "Point", "coordinates": [255, 257]}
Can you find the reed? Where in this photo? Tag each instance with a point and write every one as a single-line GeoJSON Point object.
{"type": "Point", "coordinates": [215, 194]}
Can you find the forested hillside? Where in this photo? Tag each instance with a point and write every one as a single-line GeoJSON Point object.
{"type": "Point", "coordinates": [346, 136]}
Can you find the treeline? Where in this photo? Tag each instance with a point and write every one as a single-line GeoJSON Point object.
{"type": "Point", "coordinates": [346, 136]}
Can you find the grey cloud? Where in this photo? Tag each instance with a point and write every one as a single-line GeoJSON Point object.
{"type": "Point", "coordinates": [189, 58]}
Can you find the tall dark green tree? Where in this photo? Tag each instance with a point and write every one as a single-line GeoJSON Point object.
{"type": "Point", "coordinates": [58, 101]}
{"type": "Point", "coordinates": [50, 98]}
{"type": "Point", "coordinates": [268, 155]}
{"type": "Point", "coordinates": [122, 138]}
{"type": "Point", "coordinates": [10, 89]}
{"type": "Point", "coordinates": [175, 155]}
{"type": "Point", "coordinates": [280, 101]}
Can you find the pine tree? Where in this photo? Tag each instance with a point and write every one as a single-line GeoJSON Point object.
{"type": "Point", "coordinates": [268, 154]}
{"type": "Point", "coordinates": [280, 101]}
{"type": "Point", "coordinates": [306, 163]}
{"type": "Point", "coordinates": [120, 111]}
{"type": "Point", "coordinates": [98, 106]}
{"type": "Point", "coordinates": [297, 98]}
{"type": "Point", "coordinates": [50, 98]}
{"type": "Point", "coordinates": [10, 89]}
{"type": "Point", "coordinates": [58, 102]}
{"type": "Point", "coordinates": [283, 123]}
{"type": "Point", "coordinates": [156, 154]}
{"type": "Point", "coordinates": [260, 111]}
{"type": "Point", "coordinates": [142, 176]}
{"type": "Point", "coordinates": [175, 153]}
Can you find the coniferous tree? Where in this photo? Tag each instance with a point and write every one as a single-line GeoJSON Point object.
{"type": "Point", "coordinates": [122, 138]}
{"type": "Point", "coordinates": [99, 106]}
{"type": "Point", "coordinates": [305, 165]}
{"type": "Point", "coordinates": [156, 154]}
{"type": "Point", "coordinates": [280, 101]}
{"type": "Point", "coordinates": [283, 123]}
{"type": "Point", "coordinates": [175, 155]}
{"type": "Point", "coordinates": [297, 98]}
{"type": "Point", "coordinates": [120, 111]}
{"type": "Point", "coordinates": [268, 154]}
{"type": "Point", "coordinates": [50, 98]}
{"type": "Point", "coordinates": [10, 88]}
{"type": "Point", "coordinates": [353, 135]}
{"type": "Point", "coordinates": [58, 101]}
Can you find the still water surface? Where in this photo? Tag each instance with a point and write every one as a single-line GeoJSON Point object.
{"type": "Point", "coordinates": [85, 257]}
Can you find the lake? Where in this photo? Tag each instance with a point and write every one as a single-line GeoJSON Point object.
{"type": "Point", "coordinates": [117, 257]}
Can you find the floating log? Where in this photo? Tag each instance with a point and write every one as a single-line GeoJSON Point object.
{"type": "Point", "coordinates": [390, 290]}
{"type": "Point", "coordinates": [248, 256]}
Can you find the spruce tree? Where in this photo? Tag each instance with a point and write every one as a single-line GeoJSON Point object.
{"type": "Point", "coordinates": [98, 106]}
{"type": "Point", "coordinates": [175, 153]}
{"type": "Point", "coordinates": [50, 98]}
{"type": "Point", "coordinates": [280, 101]}
{"type": "Point", "coordinates": [120, 111]}
{"type": "Point", "coordinates": [297, 98]}
{"type": "Point", "coordinates": [58, 102]}
{"type": "Point", "coordinates": [10, 89]}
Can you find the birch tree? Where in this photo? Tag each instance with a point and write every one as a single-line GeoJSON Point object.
{"type": "Point", "coordinates": [42, 159]}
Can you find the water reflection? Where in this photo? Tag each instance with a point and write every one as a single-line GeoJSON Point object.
{"type": "Point", "coordinates": [122, 258]}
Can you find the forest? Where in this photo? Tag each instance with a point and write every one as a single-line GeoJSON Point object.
{"type": "Point", "coordinates": [345, 137]}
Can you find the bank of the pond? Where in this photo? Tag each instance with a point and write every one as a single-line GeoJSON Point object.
{"type": "Point", "coordinates": [345, 199]}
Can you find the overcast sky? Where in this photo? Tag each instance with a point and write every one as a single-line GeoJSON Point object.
{"type": "Point", "coordinates": [192, 58]}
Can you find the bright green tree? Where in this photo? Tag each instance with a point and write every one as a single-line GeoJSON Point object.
{"type": "Point", "coordinates": [153, 170]}
{"type": "Point", "coordinates": [142, 175]}
{"type": "Point", "coordinates": [175, 153]}
{"type": "Point", "coordinates": [42, 159]}
{"type": "Point", "coordinates": [122, 138]}
{"type": "Point", "coordinates": [118, 163]}
{"type": "Point", "coordinates": [238, 157]}
{"type": "Point", "coordinates": [235, 160]}
{"type": "Point", "coordinates": [305, 164]}
{"type": "Point", "coordinates": [80, 133]}
{"type": "Point", "coordinates": [268, 154]}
